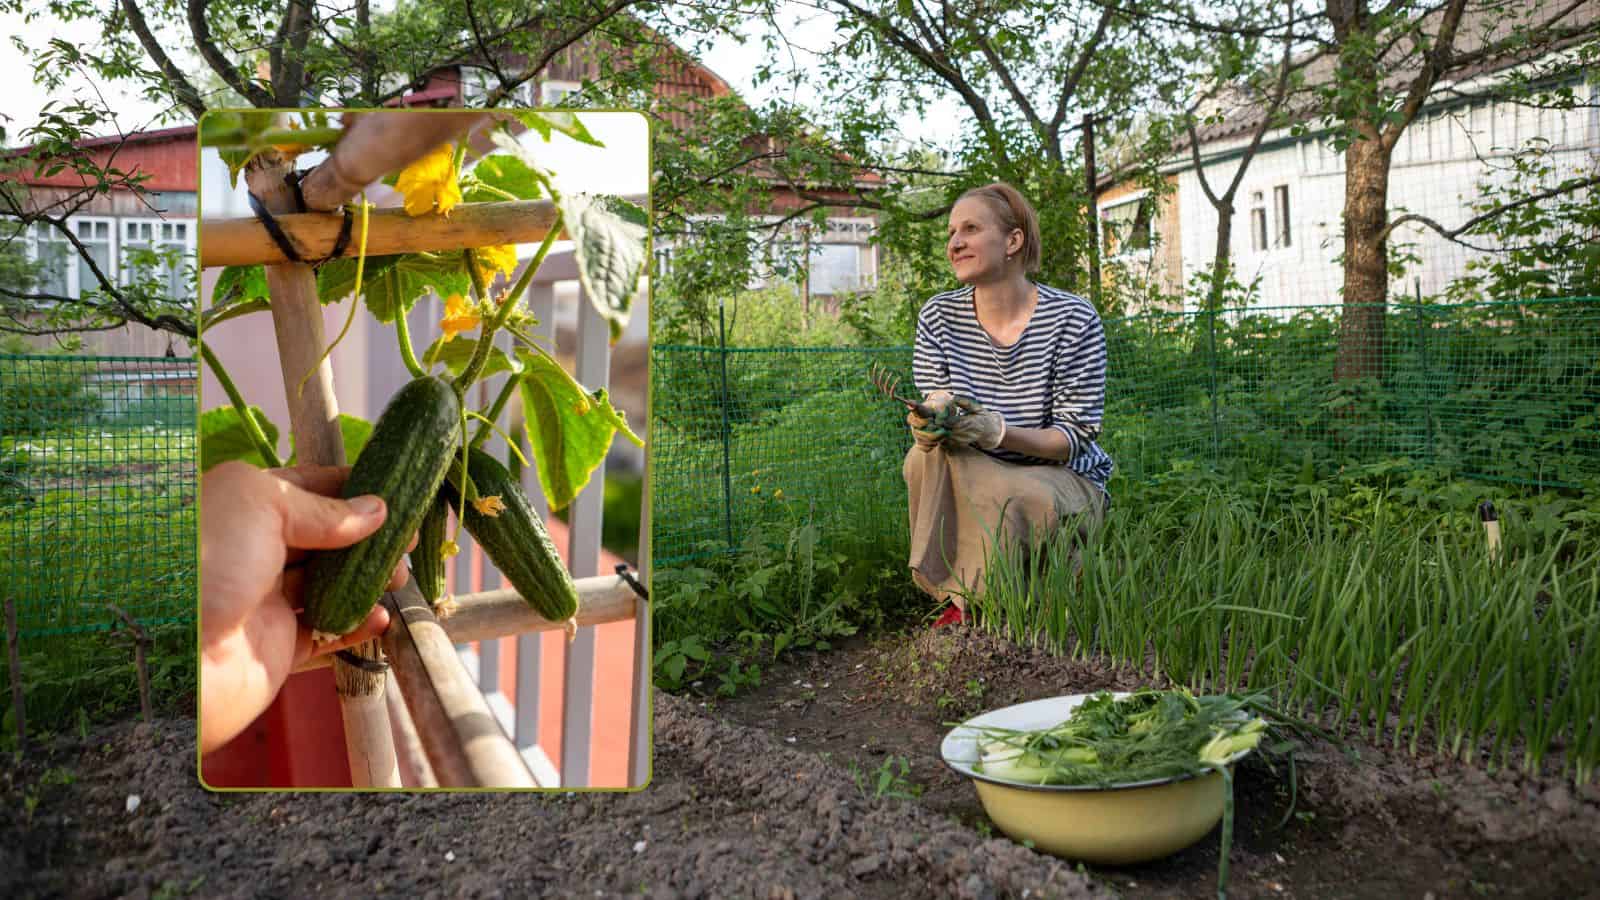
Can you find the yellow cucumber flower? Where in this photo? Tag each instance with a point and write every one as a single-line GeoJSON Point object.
{"type": "Point", "coordinates": [490, 506]}
{"type": "Point", "coordinates": [430, 184]}
{"type": "Point", "coordinates": [450, 548]}
{"type": "Point", "coordinates": [498, 258]}
{"type": "Point", "coordinates": [459, 316]}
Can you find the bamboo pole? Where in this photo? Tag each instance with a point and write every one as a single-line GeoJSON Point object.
{"type": "Point", "coordinates": [314, 419]}
{"type": "Point", "coordinates": [462, 738]}
{"type": "Point", "coordinates": [488, 615]}
{"type": "Point", "coordinates": [243, 242]}
{"type": "Point", "coordinates": [415, 771]}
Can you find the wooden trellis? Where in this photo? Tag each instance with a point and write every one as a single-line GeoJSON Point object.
{"type": "Point", "coordinates": [425, 722]}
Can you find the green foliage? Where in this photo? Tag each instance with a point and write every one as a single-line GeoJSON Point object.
{"type": "Point", "coordinates": [74, 682]}
{"type": "Point", "coordinates": [42, 394]}
{"type": "Point", "coordinates": [1371, 593]}
{"type": "Point", "coordinates": [892, 779]}
{"type": "Point", "coordinates": [1549, 248]}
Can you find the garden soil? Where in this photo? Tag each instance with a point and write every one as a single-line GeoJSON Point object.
{"type": "Point", "coordinates": [775, 793]}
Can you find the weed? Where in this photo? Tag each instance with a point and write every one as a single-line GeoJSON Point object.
{"type": "Point", "coordinates": [891, 779]}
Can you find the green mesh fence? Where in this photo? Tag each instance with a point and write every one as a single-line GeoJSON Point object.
{"type": "Point", "coordinates": [97, 490]}
{"type": "Point", "coordinates": [1501, 391]}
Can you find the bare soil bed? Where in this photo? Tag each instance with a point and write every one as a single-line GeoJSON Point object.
{"type": "Point", "coordinates": [1367, 821]}
{"type": "Point", "coordinates": [772, 795]}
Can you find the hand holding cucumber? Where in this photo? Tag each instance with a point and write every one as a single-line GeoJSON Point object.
{"type": "Point", "coordinates": [255, 528]}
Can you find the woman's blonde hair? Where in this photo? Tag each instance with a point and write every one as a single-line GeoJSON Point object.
{"type": "Point", "coordinates": [1012, 210]}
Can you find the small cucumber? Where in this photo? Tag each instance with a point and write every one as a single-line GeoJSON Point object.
{"type": "Point", "coordinates": [427, 559]}
{"type": "Point", "coordinates": [404, 462]}
{"type": "Point", "coordinates": [516, 540]}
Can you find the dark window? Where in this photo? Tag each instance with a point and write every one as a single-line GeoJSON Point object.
{"type": "Point", "coordinates": [1258, 222]}
{"type": "Point", "coordinates": [1280, 202]}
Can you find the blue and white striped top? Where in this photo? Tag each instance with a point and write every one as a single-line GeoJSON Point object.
{"type": "Point", "coordinates": [1054, 376]}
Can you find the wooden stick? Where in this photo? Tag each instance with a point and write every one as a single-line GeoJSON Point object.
{"type": "Point", "coordinates": [314, 418]}
{"type": "Point", "coordinates": [14, 659]}
{"type": "Point", "coordinates": [461, 736]}
{"type": "Point", "coordinates": [141, 639]}
{"type": "Point", "coordinates": [488, 615]}
{"type": "Point", "coordinates": [244, 242]}
{"type": "Point", "coordinates": [377, 143]}
{"type": "Point", "coordinates": [415, 771]}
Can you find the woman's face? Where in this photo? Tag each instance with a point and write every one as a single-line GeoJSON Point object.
{"type": "Point", "coordinates": [977, 243]}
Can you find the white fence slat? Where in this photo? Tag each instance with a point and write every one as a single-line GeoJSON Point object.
{"type": "Point", "coordinates": [577, 710]}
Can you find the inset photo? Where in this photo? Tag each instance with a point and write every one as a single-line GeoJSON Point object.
{"type": "Point", "coordinates": [423, 344]}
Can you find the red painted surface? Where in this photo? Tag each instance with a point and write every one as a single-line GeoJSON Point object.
{"type": "Point", "coordinates": [169, 156]}
{"type": "Point", "coordinates": [299, 741]}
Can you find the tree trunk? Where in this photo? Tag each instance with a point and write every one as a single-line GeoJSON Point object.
{"type": "Point", "coordinates": [1366, 261]}
{"type": "Point", "coordinates": [1223, 260]}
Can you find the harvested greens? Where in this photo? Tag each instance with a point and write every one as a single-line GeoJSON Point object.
{"type": "Point", "coordinates": [1149, 735]}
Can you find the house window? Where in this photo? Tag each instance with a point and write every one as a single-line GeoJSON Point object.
{"type": "Point", "coordinates": [1258, 222]}
{"type": "Point", "coordinates": [553, 93]}
{"type": "Point", "coordinates": [157, 235]}
{"type": "Point", "coordinates": [62, 270]}
{"type": "Point", "coordinates": [1128, 227]}
{"type": "Point", "coordinates": [836, 269]}
{"type": "Point", "coordinates": [1280, 211]}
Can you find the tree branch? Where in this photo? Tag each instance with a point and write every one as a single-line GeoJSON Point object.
{"type": "Point", "coordinates": [1452, 234]}
{"type": "Point", "coordinates": [187, 95]}
{"type": "Point", "coordinates": [200, 30]}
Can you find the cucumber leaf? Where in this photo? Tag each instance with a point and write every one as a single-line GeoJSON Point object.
{"type": "Point", "coordinates": [608, 237]}
{"type": "Point", "coordinates": [392, 284]}
{"type": "Point", "coordinates": [455, 355]}
{"type": "Point", "coordinates": [223, 437]}
{"type": "Point", "coordinates": [546, 122]}
{"type": "Point", "coordinates": [569, 428]}
{"type": "Point", "coordinates": [240, 284]}
{"type": "Point", "coordinates": [500, 174]}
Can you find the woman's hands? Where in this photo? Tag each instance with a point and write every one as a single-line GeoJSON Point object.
{"type": "Point", "coordinates": [924, 431]}
{"type": "Point", "coordinates": [255, 526]}
{"type": "Point", "coordinates": [977, 426]}
{"type": "Point", "coordinates": [959, 419]}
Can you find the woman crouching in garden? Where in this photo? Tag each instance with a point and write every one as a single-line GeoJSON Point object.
{"type": "Point", "coordinates": [1025, 364]}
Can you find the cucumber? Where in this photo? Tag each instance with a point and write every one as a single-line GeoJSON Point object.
{"type": "Point", "coordinates": [515, 539]}
{"type": "Point", "coordinates": [404, 462]}
{"type": "Point", "coordinates": [427, 559]}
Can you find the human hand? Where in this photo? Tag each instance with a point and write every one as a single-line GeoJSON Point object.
{"type": "Point", "coordinates": [929, 433]}
{"type": "Point", "coordinates": [255, 526]}
{"type": "Point", "coordinates": [981, 428]}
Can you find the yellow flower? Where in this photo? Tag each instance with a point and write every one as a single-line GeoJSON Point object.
{"type": "Point", "coordinates": [498, 258]}
{"type": "Point", "coordinates": [777, 494]}
{"type": "Point", "coordinates": [450, 548]}
{"type": "Point", "coordinates": [429, 184]}
{"type": "Point", "coordinates": [756, 489]}
{"type": "Point", "coordinates": [459, 316]}
{"type": "Point", "coordinates": [489, 506]}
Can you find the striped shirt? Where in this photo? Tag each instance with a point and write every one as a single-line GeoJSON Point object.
{"type": "Point", "coordinates": [1054, 376]}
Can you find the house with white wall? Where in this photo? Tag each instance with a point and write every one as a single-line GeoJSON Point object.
{"type": "Point", "coordinates": [1285, 236]}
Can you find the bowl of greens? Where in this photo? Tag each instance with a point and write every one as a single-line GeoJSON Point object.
{"type": "Point", "coordinates": [1108, 778]}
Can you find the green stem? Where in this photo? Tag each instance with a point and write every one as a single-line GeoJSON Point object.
{"type": "Point", "coordinates": [499, 406]}
{"type": "Point", "coordinates": [489, 424]}
{"type": "Point", "coordinates": [408, 355]}
{"type": "Point", "coordinates": [479, 286]}
{"type": "Point", "coordinates": [480, 356]}
{"type": "Point", "coordinates": [217, 315]}
{"type": "Point", "coordinates": [252, 428]}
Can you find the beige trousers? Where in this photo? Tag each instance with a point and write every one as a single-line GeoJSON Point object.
{"type": "Point", "coordinates": [961, 498]}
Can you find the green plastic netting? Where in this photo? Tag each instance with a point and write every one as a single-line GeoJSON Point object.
{"type": "Point", "coordinates": [97, 490]}
{"type": "Point", "coordinates": [1500, 391]}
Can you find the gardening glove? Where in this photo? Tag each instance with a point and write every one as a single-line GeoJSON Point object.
{"type": "Point", "coordinates": [929, 433]}
{"type": "Point", "coordinates": [977, 426]}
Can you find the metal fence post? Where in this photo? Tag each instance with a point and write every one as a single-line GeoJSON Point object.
{"type": "Point", "coordinates": [1216, 438]}
{"type": "Point", "coordinates": [727, 485]}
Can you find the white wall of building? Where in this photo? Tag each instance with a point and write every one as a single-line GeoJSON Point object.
{"type": "Point", "coordinates": [1437, 167]}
